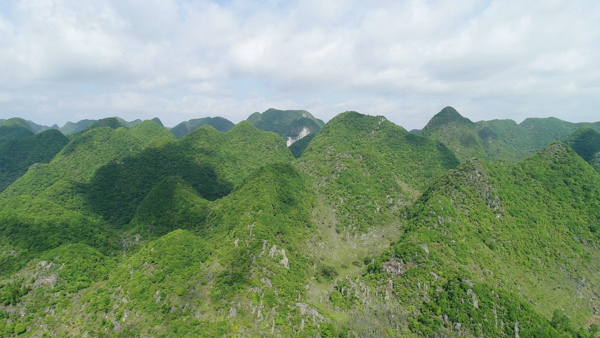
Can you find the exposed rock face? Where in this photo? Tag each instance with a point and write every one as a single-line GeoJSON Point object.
{"type": "Point", "coordinates": [304, 132]}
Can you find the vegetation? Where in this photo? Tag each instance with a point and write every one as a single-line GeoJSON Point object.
{"type": "Point", "coordinates": [369, 168]}
{"type": "Point", "coordinates": [362, 229]}
{"type": "Point", "coordinates": [509, 229]}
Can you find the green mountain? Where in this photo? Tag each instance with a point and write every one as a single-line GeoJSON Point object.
{"type": "Point", "coordinates": [184, 128]}
{"type": "Point", "coordinates": [292, 125]}
{"type": "Point", "coordinates": [456, 132]}
{"type": "Point", "coordinates": [369, 168]}
{"type": "Point", "coordinates": [17, 155]}
{"type": "Point", "coordinates": [370, 231]}
{"type": "Point", "coordinates": [111, 122]}
{"type": "Point", "coordinates": [586, 143]}
{"type": "Point", "coordinates": [158, 121]}
{"type": "Point", "coordinates": [495, 249]}
{"type": "Point", "coordinates": [15, 128]}
{"type": "Point", "coordinates": [507, 140]}
{"type": "Point", "coordinates": [72, 128]}
{"type": "Point", "coordinates": [129, 124]}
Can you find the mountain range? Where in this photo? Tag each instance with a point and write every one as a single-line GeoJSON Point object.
{"type": "Point", "coordinates": [283, 225]}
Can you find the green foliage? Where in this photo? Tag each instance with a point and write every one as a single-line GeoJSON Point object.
{"type": "Point", "coordinates": [77, 161]}
{"type": "Point", "coordinates": [368, 168]}
{"type": "Point", "coordinates": [35, 225]}
{"type": "Point", "coordinates": [11, 293]}
{"type": "Point", "coordinates": [81, 264]}
{"type": "Point", "coordinates": [150, 132]}
{"type": "Point", "coordinates": [172, 204]}
{"type": "Point", "coordinates": [526, 224]}
{"type": "Point", "coordinates": [117, 189]}
{"type": "Point", "coordinates": [219, 123]}
{"type": "Point", "coordinates": [456, 132]}
{"type": "Point", "coordinates": [17, 155]}
{"type": "Point", "coordinates": [130, 232]}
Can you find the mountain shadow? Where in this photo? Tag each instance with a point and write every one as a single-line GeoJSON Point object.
{"type": "Point", "coordinates": [117, 189]}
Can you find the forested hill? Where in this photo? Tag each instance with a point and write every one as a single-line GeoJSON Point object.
{"type": "Point", "coordinates": [358, 229]}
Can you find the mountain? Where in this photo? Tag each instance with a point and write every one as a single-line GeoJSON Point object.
{"type": "Point", "coordinates": [494, 249]}
{"type": "Point", "coordinates": [15, 128]}
{"type": "Point", "coordinates": [184, 128]}
{"type": "Point", "coordinates": [72, 128]}
{"type": "Point", "coordinates": [585, 142]}
{"type": "Point", "coordinates": [456, 132]}
{"type": "Point", "coordinates": [158, 121]}
{"type": "Point", "coordinates": [507, 140]}
{"type": "Point", "coordinates": [129, 124]}
{"type": "Point", "coordinates": [292, 125]}
{"type": "Point", "coordinates": [366, 170]}
{"type": "Point", "coordinates": [17, 155]}
{"type": "Point", "coordinates": [371, 231]}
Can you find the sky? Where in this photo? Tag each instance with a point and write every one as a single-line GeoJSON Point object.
{"type": "Point", "coordinates": [67, 60]}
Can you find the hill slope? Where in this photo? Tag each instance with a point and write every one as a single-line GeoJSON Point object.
{"type": "Point", "coordinates": [501, 238]}
{"type": "Point", "coordinates": [369, 168]}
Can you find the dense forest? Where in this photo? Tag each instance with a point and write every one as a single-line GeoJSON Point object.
{"type": "Point", "coordinates": [284, 225]}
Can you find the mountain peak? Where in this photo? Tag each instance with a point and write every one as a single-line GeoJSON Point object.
{"type": "Point", "coordinates": [446, 116]}
{"type": "Point", "coordinates": [457, 132]}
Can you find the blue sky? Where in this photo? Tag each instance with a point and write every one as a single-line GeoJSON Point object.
{"type": "Point", "coordinates": [66, 60]}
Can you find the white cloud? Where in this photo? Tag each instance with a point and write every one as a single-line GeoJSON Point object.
{"type": "Point", "coordinates": [63, 59]}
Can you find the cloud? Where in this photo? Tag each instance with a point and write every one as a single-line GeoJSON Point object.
{"type": "Point", "coordinates": [64, 59]}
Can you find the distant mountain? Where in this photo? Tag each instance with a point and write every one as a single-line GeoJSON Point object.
{"type": "Point", "coordinates": [292, 125]}
{"type": "Point", "coordinates": [456, 132]}
{"type": "Point", "coordinates": [81, 126]}
{"type": "Point", "coordinates": [111, 122]}
{"type": "Point", "coordinates": [15, 128]}
{"type": "Point", "coordinates": [507, 140]}
{"type": "Point", "coordinates": [129, 124]}
{"type": "Point", "coordinates": [17, 155]}
{"type": "Point", "coordinates": [158, 121]}
{"type": "Point", "coordinates": [72, 128]}
{"type": "Point", "coordinates": [219, 123]}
